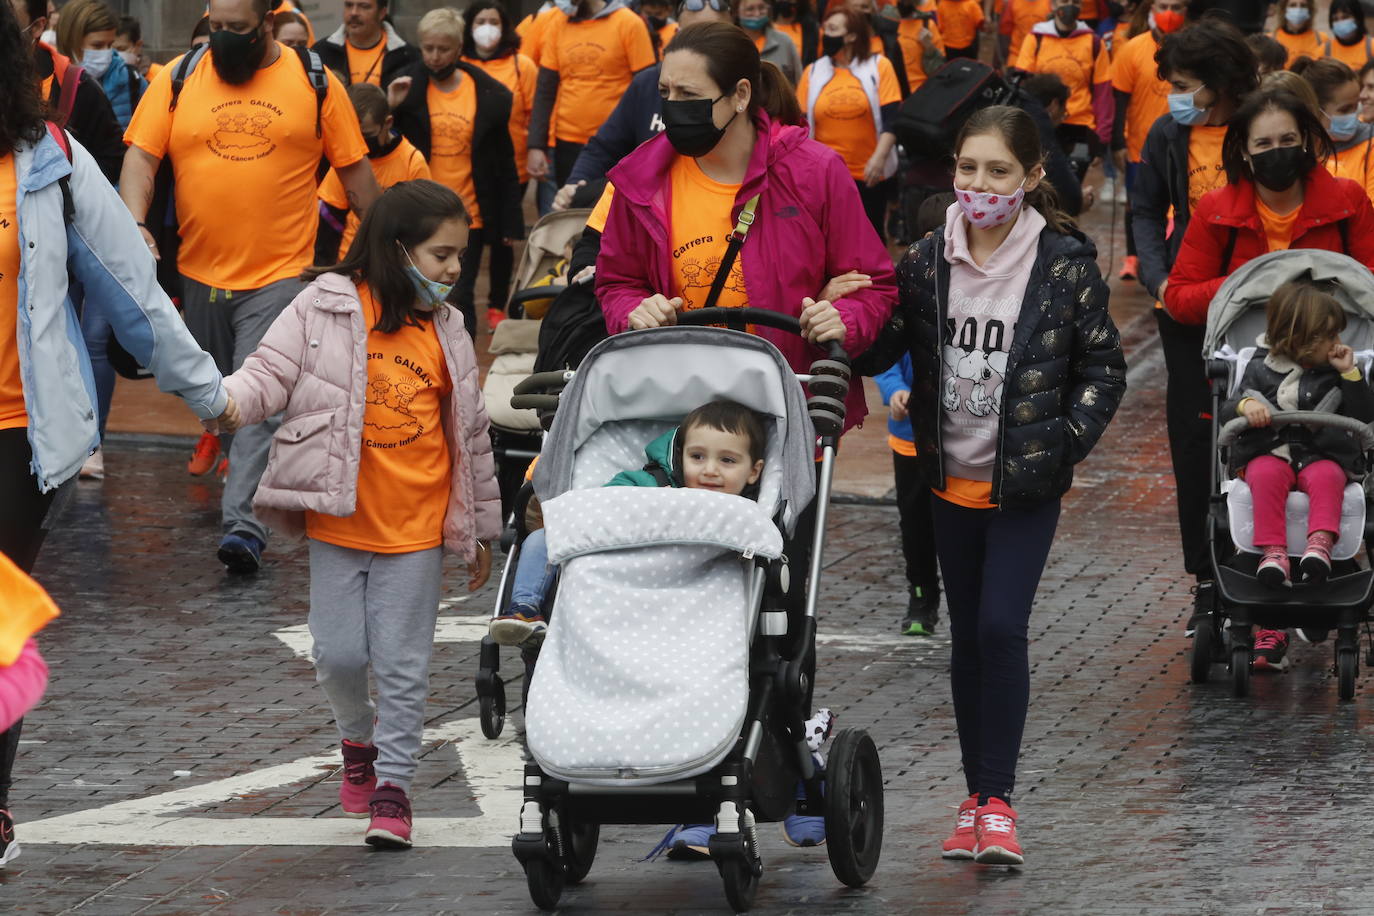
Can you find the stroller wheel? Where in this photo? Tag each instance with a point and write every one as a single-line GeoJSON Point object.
{"type": "Point", "coordinates": [545, 879]}
{"type": "Point", "coordinates": [493, 709]}
{"type": "Point", "coordinates": [854, 807]}
{"type": "Point", "coordinates": [1347, 667]}
{"type": "Point", "coordinates": [579, 848]}
{"type": "Point", "coordinates": [1240, 670]}
{"type": "Point", "coordinates": [740, 884]}
{"type": "Point", "coordinates": [1204, 640]}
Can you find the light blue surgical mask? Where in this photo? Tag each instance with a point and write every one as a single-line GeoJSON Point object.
{"type": "Point", "coordinates": [97, 61]}
{"type": "Point", "coordinates": [1345, 28]}
{"type": "Point", "coordinates": [1343, 127]}
{"type": "Point", "coordinates": [1183, 110]}
{"type": "Point", "coordinates": [757, 23]}
{"type": "Point", "coordinates": [432, 294]}
{"type": "Point", "coordinates": [1296, 16]}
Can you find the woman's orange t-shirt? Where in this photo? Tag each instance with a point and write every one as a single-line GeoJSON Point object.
{"type": "Point", "coordinates": [960, 21]}
{"type": "Point", "coordinates": [844, 119]}
{"type": "Point", "coordinates": [1357, 164]}
{"type": "Point", "coordinates": [451, 118]}
{"type": "Point", "coordinates": [13, 414]}
{"type": "Point", "coordinates": [909, 32]}
{"type": "Point", "coordinates": [1205, 171]}
{"type": "Point", "coordinates": [1354, 56]}
{"type": "Point", "coordinates": [1310, 43]}
{"type": "Point", "coordinates": [792, 30]}
{"type": "Point", "coordinates": [1018, 18]}
{"type": "Point", "coordinates": [1278, 227]}
{"type": "Point", "coordinates": [971, 494]}
{"type": "Point", "coordinates": [404, 163]}
{"type": "Point", "coordinates": [701, 223]}
{"type": "Point", "coordinates": [595, 59]}
{"type": "Point", "coordinates": [404, 470]}
{"type": "Point", "coordinates": [1135, 73]}
{"type": "Point", "coordinates": [518, 74]}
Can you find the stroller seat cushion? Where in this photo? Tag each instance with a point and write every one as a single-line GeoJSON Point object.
{"type": "Point", "coordinates": [617, 518]}
{"type": "Point", "coordinates": [507, 371]}
{"type": "Point", "coordinates": [1240, 508]}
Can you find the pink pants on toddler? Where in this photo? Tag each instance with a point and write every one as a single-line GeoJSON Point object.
{"type": "Point", "coordinates": [1272, 479]}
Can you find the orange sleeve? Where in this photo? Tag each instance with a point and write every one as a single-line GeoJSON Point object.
{"type": "Point", "coordinates": [978, 17]}
{"type": "Point", "coordinates": [889, 90]}
{"type": "Point", "coordinates": [1102, 67]}
{"type": "Point", "coordinates": [151, 126]}
{"type": "Point", "coordinates": [343, 138]}
{"type": "Point", "coordinates": [1123, 70]}
{"type": "Point", "coordinates": [597, 220]}
{"type": "Point", "coordinates": [803, 86]}
{"type": "Point", "coordinates": [549, 38]}
{"type": "Point", "coordinates": [1006, 21]}
{"type": "Point", "coordinates": [332, 191]}
{"type": "Point", "coordinates": [639, 49]}
{"type": "Point", "coordinates": [529, 77]}
{"type": "Point", "coordinates": [1026, 59]}
{"type": "Point", "coordinates": [934, 28]}
{"type": "Point", "coordinates": [418, 167]}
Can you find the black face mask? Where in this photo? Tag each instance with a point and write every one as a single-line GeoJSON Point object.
{"type": "Point", "coordinates": [658, 22]}
{"type": "Point", "coordinates": [1068, 15]}
{"type": "Point", "coordinates": [237, 56]}
{"type": "Point", "coordinates": [785, 8]}
{"type": "Point", "coordinates": [689, 127]}
{"type": "Point", "coordinates": [1279, 168]}
{"type": "Point", "coordinates": [832, 45]}
{"type": "Point", "coordinates": [379, 146]}
{"type": "Point", "coordinates": [442, 74]}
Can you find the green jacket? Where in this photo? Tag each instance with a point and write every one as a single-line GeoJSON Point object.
{"type": "Point", "coordinates": [660, 470]}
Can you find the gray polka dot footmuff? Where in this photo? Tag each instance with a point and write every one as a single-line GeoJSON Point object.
{"type": "Point", "coordinates": [643, 677]}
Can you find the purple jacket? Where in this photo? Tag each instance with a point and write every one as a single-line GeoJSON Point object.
{"type": "Point", "coordinates": [810, 226]}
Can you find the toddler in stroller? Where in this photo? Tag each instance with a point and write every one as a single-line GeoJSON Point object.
{"type": "Point", "coordinates": [718, 447]}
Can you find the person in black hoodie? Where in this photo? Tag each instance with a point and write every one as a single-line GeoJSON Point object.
{"type": "Point", "coordinates": [466, 140]}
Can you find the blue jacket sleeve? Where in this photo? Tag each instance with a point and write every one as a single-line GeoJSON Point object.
{"type": "Point", "coordinates": [629, 124]}
{"type": "Point", "coordinates": [895, 379]}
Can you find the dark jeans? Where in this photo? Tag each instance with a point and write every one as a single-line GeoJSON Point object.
{"type": "Point", "coordinates": [502, 263]}
{"type": "Point", "coordinates": [564, 158]}
{"type": "Point", "coordinates": [21, 535]}
{"type": "Point", "coordinates": [918, 531]}
{"type": "Point", "coordinates": [1132, 169]}
{"type": "Point", "coordinates": [875, 200]}
{"type": "Point", "coordinates": [1188, 413]}
{"type": "Point", "coordinates": [991, 561]}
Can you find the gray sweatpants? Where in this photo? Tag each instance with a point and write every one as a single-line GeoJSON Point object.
{"type": "Point", "coordinates": [229, 326]}
{"type": "Point", "coordinates": [376, 609]}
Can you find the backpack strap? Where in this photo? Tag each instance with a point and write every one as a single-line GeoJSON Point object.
{"type": "Point", "coordinates": [189, 61]}
{"type": "Point", "coordinates": [319, 81]}
{"type": "Point", "coordinates": [1229, 251]}
{"type": "Point", "coordinates": [66, 101]}
{"type": "Point", "coordinates": [65, 182]}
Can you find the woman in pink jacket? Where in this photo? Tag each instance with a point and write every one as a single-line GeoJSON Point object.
{"type": "Point", "coordinates": [382, 460]}
{"type": "Point", "coordinates": [679, 196]}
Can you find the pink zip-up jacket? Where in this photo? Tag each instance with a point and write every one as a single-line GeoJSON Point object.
{"type": "Point", "coordinates": [809, 226]}
{"type": "Point", "coordinates": [22, 685]}
{"type": "Point", "coordinates": [312, 363]}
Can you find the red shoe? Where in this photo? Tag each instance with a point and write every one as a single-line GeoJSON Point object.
{"type": "Point", "coordinates": [961, 841]}
{"type": "Point", "coordinates": [995, 830]}
{"type": "Point", "coordinates": [1130, 267]}
{"type": "Point", "coordinates": [390, 827]}
{"type": "Point", "coordinates": [1271, 650]}
{"type": "Point", "coordinates": [223, 470]}
{"type": "Point", "coordinates": [494, 317]}
{"type": "Point", "coordinates": [203, 459]}
{"type": "Point", "coordinates": [359, 779]}
{"type": "Point", "coordinates": [1273, 569]}
{"type": "Point", "coordinates": [1316, 559]}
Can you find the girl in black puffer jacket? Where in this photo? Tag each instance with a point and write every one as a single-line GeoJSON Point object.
{"type": "Point", "coordinates": [1017, 369]}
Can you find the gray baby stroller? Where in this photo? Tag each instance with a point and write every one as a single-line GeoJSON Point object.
{"type": "Point", "coordinates": [1235, 322]}
{"type": "Point", "coordinates": [663, 590]}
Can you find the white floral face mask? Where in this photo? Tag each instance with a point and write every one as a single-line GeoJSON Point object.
{"type": "Point", "coordinates": [985, 210]}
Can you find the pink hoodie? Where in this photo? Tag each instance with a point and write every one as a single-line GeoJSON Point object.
{"type": "Point", "coordinates": [22, 685]}
{"type": "Point", "coordinates": [982, 307]}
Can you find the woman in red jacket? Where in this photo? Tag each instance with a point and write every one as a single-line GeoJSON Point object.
{"type": "Point", "coordinates": [1276, 197]}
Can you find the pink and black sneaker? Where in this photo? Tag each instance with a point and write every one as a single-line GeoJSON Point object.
{"type": "Point", "coordinates": [1273, 569]}
{"type": "Point", "coordinates": [1316, 559]}
{"type": "Point", "coordinates": [1271, 650]}
{"type": "Point", "coordinates": [390, 827]}
{"type": "Point", "coordinates": [359, 778]}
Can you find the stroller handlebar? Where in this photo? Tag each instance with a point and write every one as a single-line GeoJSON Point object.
{"type": "Point", "coordinates": [544, 382]}
{"type": "Point", "coordinates": [737, 318]}
{"type": "Point", "coordinates": [1311, 418]}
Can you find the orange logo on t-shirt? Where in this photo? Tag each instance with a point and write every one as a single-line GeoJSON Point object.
{"type": "Point", "coordinates": [698, 273]}
{"type": "Point", "coordinates": [583, 59]}
{"type": "Point", "coordinates": [451, 134]}
{"type": "Point", "coordinates": [240, 133]}
{"type": "Point", "coordinates": [847, 103]}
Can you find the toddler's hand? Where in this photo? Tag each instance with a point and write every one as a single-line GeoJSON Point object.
{"type": "Point", "coordinates": [896, 407]}
{"type": "Point", "coordinates": [231, 419]}
{"type": "Point", "coordinates": [1255, 412]}
{"type": "Point", "coordinates": [479, 570]}
{"type": "Point", "coordinates": [1342, 358]}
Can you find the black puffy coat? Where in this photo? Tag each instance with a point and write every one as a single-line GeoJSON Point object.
{"type": "Point", "coordinates": [1065, 371]}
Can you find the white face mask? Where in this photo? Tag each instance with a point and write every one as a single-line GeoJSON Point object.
{"type": "Point", "coordinates": [130, 58]}
{"type": "Point", "coordinates": [486, 36]}
{"type": "Point", "coordinates": [97, 62]}
{"type": "Point", "coordinates": [49, 37]}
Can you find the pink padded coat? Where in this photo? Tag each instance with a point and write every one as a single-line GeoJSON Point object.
{"type": "Point", "coordinates": [312, 364]}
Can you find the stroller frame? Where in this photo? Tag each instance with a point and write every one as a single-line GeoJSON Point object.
{"type": "Point", "coordinates": [560, 820]}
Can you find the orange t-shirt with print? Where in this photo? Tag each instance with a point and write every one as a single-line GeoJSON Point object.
{"type": "Point", "coordinates": [13, 414]}
{"type": "Point", "coordinates": [595, 60]}
{"type": "Point", "coordinates": [365, 64]}
{"type": "Point", "coordinates": [909, 32]}
{"type": "Point", "coordinates": [960, 21]}
{"type": "Point", "coordinates": [404, 163]}
{"type": "Point", "coordinates": [1357, 164]}
{"type": "Point", "coordinates": [518, 74]}
{"type": "Point", "coordinates": [404, 468]}
{"type": "Point", "coordinates": [1278, 227]}
{"type": "Point", "coordinates": [245, 159]}
{"type": "Point", "coordinates": [1311, 43]}
{"type": "Point", "coordinates": [451, 117]}
{"type": "Point", "coordinates": [1205, 171]}
{"type": "Point", "coordinates": [701, 223]}
{"type": "Point", "coordinates": [1073, 61]}
{"type": "Point", "coordinates": [844, 119]}
{"type": "Point", "coordinates": [1135, 72]}
{"type": "Point", "coordinates": [1018, 18]}
{"type": "Point", "coordinates": [1353, 56]}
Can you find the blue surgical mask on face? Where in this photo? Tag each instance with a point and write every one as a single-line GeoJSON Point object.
{"type": "Point", "coordinates": [1296, 16]}
{"type": "Point", "coordinates": [1345, 28]}
{"type": "Point", "coordinates": [757, 23]}
{"type": "Point", "coordinates": [1184, 111]}
{"type": "Point", "coordinates": [432, 294]}
{"type": "Point", "coordinates": [1343, 127]}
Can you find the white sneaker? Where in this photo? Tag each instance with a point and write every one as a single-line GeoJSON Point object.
{"type": "Point", "coordinates": [94, 468]}
{"type": "Point", "coordinates": [1107, 190]}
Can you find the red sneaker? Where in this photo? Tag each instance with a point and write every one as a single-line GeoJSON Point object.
{"type": "Point", "coordinates": [1271, 650]}
{"type": "Point", "coordinates": [961, 841]}
{"type": "Point", "coordinates": [359, 779]}
{"type": "Point", "coordinates": [1130, 267]}
{"type": "Point", "coordinates": [996, 835]}
{"type": "Point", "coordinates": [204, 457]}
{"type": "Point", "coordinates": [390, 827]}
{"type": "Point", "coordinates": [1316, 559]}
{"type": "Point", "coordinates": [1273, 569]}
{"type": "Point", "coordinates": [495, 317]}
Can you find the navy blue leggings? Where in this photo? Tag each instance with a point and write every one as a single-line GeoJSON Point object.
{"type": "Point", "coordinates": [991, 561]}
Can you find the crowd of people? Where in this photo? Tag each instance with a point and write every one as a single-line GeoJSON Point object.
{"type": "Point", "coordinates": [369, 172]}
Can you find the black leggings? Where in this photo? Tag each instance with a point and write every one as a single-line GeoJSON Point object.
{"type": "Point", "coordinates": [918, 532]}
{"type": "Point", "coordinates": [1188, 411]}
{"type": "Point", "coordinates": [565, 154]}
{"type": "Point", "coordinates": [21, 535]}
{"type": "Point", "coordinates": [502, 263]}
{"type": "Point", "coordinates": [991, 561]}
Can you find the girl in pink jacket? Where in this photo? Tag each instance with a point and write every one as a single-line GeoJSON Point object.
{"type": "Point", "coordinates": [382, 460]}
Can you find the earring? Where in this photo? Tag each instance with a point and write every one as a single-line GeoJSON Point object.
{"type": "Point", "coordinates": [739, 108]}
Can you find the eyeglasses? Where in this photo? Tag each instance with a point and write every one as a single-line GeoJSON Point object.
{"type": "Point", "coordinates": [696, 6]}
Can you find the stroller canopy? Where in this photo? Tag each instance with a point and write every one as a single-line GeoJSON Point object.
{"type": "Point", "coordinates": [635, 385]}
{"type": "Point", "coordinates": [1236, 315]}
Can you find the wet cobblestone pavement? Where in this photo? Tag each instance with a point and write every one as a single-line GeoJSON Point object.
{"type": "Point", "coordinates": [183, 761]}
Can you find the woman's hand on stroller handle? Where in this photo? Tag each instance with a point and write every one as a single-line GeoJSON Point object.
{"type": "Point", "coordinates": [654, 312]}
{"type": "Point", "coordinates": [821, 322]}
